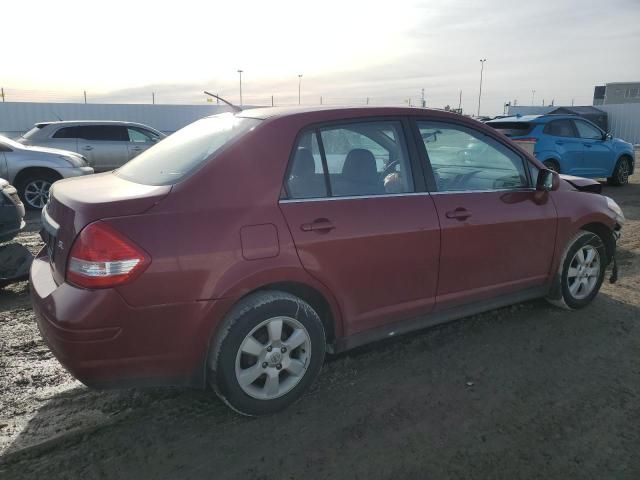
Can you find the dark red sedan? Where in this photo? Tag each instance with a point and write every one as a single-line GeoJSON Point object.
{"type": "Point", "coordinates": [239, 250]}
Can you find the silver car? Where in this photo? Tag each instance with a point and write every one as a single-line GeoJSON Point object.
{"type": "Point", "coordinates": [106, 145]}
{"type": "Point", "coordinates": [33, 169]}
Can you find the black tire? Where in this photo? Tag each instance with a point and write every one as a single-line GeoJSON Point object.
{"type": "Point", "coordinates": [561, 294]}
{"type": "Point", "coordinates": [620, 173]}
{"type": "Point", "coordinates": [46, 178]}
{"type": "Point", "coordinates": [552, 165]}
{"type": "Point", "coordinates": [248, 314]}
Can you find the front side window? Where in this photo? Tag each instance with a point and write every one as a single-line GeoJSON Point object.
{"type": "Point", "coordinates": [367, 158]}
{"type": "Point", "coordinates": [175, 157]}
{"type": "Point", "coordinates": [587, 131]}
{"type": "Point", "coordinates": [560, 128]}
{"type": "Point", "coordinates": [465, 160]}
{"type": "Point", "coordinates": [137, 135]}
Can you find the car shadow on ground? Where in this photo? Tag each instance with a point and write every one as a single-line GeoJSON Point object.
{"type": "Point", "coordinates": [527, 390]}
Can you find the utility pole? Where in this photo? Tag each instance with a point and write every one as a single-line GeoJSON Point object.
{"type": "Point", "coordinates": [85, 97]}
{"type": "Point", "coordinates": [572, 100]}
{"type": "Point", "coordinates": [299, 86]}
{"type": "Point", "coordinates": [320, 99]}
{"type": "Point", "coordinates": [533, 95]}
{"type": "Point", "coordinates": [482, 60]}
{"type": "Point", "coordinates": [2, 93]}
{"type": "Point", "coordinates": [424, 102]}
{"type": "Point", "coordinates": [153, 98]}
{"type": "Point", "coordinates": [367, 100]}
{"type": "Point", "coordinates": [272, 100]}
{"type": "Point", "coordinates": [460, 103]}
{"type": "Point", "coordinates": [240, 72]}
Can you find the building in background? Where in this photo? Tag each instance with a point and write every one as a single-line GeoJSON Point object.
{"type": "Point", "coordinates": [616, 93]}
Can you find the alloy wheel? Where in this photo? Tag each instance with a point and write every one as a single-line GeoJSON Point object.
{"type": "Point", "coordinates": [36, 193]}
{"type": "Point", "coordinates": [273, 358]}
{"type": "Point", "coordinates": [623, 172]}
{"type": "Point", "coordinates": [584, 271]}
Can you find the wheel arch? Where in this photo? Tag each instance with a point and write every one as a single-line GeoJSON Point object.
{"type": "Point", "coordinates": [604, 232]}
{"type": "Point", "coordinates": [27, 171]}
{"type": "Point", "coordinates": [628, 156]}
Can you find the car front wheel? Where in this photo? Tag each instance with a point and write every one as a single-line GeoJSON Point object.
{"type": "Point", "coordinates": [581, 272]}
{"type": "Point", "coordinates": [620, 173]}
{"type": "Point", "coordinates": [270, 350]}
{"type": "Point", "coordinates": [34, 189]}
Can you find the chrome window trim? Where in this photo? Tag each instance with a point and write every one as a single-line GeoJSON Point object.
{"type": "Point", "coordinates": [409, 194]}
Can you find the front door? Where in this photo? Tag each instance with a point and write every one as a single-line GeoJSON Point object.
{"type": "Point", "coordinates": [498, 233]}
{"type": "Point", "coordinates": [359, 225]}
{"type": "Point", "coordinates": [139, 141]}
{"type": "Point", "coordinates": [598, 159]}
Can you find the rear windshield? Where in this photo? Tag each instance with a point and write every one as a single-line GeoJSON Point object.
{"type": "Point", "coordinates": [173, 158]}
{"type": "Point", "coordinates": [37, 127]}
{"type": "Point", "coordinates": [512, 129]}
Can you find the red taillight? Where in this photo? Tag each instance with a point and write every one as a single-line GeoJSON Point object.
{"type": "Point", "coordinates": [102, 257]}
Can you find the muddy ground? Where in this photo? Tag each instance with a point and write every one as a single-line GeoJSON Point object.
{"type": "Point", "coordinates": [528, 391]}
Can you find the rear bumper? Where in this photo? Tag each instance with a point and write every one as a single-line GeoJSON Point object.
{"type": "Point", "coordinates": [104, 342]}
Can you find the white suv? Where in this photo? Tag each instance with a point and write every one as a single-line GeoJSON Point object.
{"type": "Point", "coordinates": [106, 145]}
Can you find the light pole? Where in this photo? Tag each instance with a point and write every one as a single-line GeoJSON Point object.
{"type": "Point", "coordinates": [240, 72]}
{"type": "Point", "coordinates": [299, 86]}
{"type": "Point", "coordinates": [482, 60]}
{"type": "Point", "coordinates": [533, 95]}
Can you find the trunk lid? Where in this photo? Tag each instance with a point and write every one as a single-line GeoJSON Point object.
{"type": "Point", "coordinates": [76, 202]}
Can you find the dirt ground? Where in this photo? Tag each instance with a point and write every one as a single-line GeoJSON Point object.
{"type": "Point", "coordinates": [528, 391]}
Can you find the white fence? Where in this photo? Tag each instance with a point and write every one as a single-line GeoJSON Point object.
{"type": "Point", "coordinates": [624, 121]}
{"type": "Point", "coordinates": [18, 117]}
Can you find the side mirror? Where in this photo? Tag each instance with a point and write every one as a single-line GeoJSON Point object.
{"type": "Point", "coordinates": [548, 180]}
{"type": "Point", "coordinates": [608, 136]}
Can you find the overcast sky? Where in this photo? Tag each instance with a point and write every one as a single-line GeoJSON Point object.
{"type": "Point", "coordinates": [121, 51]}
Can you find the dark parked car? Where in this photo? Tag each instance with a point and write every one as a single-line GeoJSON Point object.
{"type": "Point", "coordinates": [239, 250]}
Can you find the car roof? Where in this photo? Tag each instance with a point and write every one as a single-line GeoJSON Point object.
{"type": "Point", "coordinates": [93, 122]}
{"type": "Point", "coordinates": [263, 113]}
{"type": "Point", "coordinates": [536, 118]}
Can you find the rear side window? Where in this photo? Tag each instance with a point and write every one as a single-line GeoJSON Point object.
{"type": "Point", "coordinates": [67, 132]}
{"type": "Point", "coordinates": [306, 174]}
{"type": "Point", "coordinates": [512, 129]}
{"type": "Point", "coordinates": [560, 128]}
{"type": "Point", "coordinates": [138, 135]}
{"type": "Point", "coordinates": [356, 159]}
{"type": "Point", "coordinates": [113, 133]}
{"type": "Point", "coordinates": [172, 159]}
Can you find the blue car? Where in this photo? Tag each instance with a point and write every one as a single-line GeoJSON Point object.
{"type": "Point", "coordinates": [572, 145]}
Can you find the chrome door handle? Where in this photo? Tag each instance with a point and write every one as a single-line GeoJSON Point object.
{"type": "Point", "coordinates": [588, 145]}
{"type": "Point", "coordinates": [136, 149]}
{"type": "Point", "coordinates": [321, 225]}
{"type": "Point", "coordinates": [459, 214]}
{"type": "Point", "coordinates": [558, 142]}
{"type": "Point", "coordinates": [87, 147]}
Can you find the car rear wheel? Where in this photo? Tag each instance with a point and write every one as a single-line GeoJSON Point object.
{"type": "Point", "coordinates": [34, 189]}
{"type": "Point", "coordinates": [552, 165]}
{"type": "Point", "coordinates": [620, 173]}
{"type": "Point", "coordinates": [581, 272]}
{"type": "Point", "coordinates": [270, 351]}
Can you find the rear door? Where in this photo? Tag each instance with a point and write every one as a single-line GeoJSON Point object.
{"type": "Point", "coordinates": [64, 138]}
{"type": "Point", "coordinates": [104, 146]}
{"type": "Point", "coordinates": [360, 223]}
{"type": "Point", "coordinates": [562, 141]}
{"type": "Point", "coordinates": [597, 158]}
{"type": "Point", "coordinates": [498, 233]}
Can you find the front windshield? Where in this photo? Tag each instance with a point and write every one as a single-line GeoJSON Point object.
{"type": "Point", "coordinates": [7, 142]}
{"type": "Point", "coordinates": [176, 156]}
